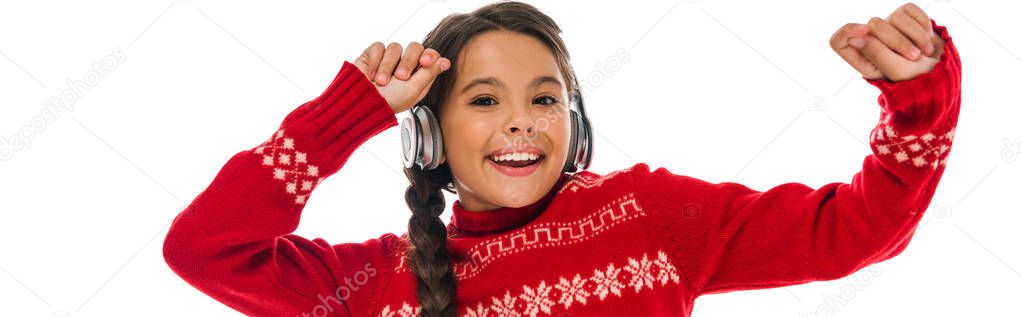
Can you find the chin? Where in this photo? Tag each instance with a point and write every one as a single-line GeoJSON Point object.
{"type": "Point", "coordinates": [519, 192]}
{"type": "Point", "coordinates": [517, 202]}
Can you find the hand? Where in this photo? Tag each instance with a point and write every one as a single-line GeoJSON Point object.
{"type": "Point", "coordinates": [900, 47]}
{"type": "Point", "coordinates": [413, 73]}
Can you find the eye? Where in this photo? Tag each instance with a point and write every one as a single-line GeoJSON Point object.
{"type": "Point", "coordinates": [546, 100]}
{"type": "Point", "coordinates": [480, 101]}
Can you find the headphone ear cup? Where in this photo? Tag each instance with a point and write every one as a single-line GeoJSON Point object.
{"type": "Point", "coordinates": [411, 143]}
{"type": "Point", "coordinates": [573, 149]}
{"type": "Point", "coordinates": [435, 142]}
{"type": "Point", "coordinates": [421, 140]}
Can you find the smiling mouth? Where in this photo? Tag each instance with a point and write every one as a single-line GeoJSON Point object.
{"type": "Point", "coordinates": [517, 160]}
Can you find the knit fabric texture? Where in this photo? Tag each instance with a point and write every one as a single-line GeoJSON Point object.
{"type": "Point", "coordinates": [631, 242]}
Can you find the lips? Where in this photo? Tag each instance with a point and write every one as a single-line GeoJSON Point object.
{"type": "Point", "coordinates": [516, 157]}
{"type": "Point", "coordinates": [520, 149]}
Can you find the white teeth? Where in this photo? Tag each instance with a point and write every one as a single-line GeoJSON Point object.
{"type": "Point", "coordinates": [516, 157]}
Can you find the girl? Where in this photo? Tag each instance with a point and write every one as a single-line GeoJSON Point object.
{"type": "Point", "coordinates": [533, 233]}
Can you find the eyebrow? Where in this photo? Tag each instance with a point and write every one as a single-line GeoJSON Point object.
{"type": "Point", "coordinates": [495, 82]}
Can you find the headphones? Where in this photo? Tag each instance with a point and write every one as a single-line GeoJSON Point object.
{"type": "Point", "coordinates": [423, 144]}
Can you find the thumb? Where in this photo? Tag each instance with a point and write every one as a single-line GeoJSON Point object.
{"type": "Point", "coordinates": [425, 90]}
{"type": "Point", "coordinates": [423, 77]}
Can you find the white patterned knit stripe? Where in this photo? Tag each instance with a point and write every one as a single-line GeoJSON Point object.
{"type": "Point", "coordinates": [540, 298]}
{"type": "Point", "coordinates": [290, 166]}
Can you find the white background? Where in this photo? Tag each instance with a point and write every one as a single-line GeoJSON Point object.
{"type": "Point", "coordinates": [745, 91]}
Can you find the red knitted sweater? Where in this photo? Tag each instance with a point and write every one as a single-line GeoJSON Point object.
{"type": "Point", "coordinates": [634, 242]}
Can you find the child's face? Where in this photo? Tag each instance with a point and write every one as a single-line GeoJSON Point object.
{"type": "Point", "coordinates": [479, 119]}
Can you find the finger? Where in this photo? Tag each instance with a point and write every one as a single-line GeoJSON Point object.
{"type": "Point", "coordinates": [428, 57]}
{"type": "Point", "coordinates": [893, 38]}
{"type": "Point", "coordinates": [883, 57]}
{"type": "Point", "coordinates": [919, 16]}
{"type": "Point", "coordinates": [840, 43]}
{"type": "Point", "coordinates": [373, 53]}
{"type": "Point", "coordinates": [409, 61]}
{"type": "Point", "coordinates": [362, 62]}
{"type": "Point", "coordinates": [390, 58]}
{"type": "Point", "coordinates": [908, 27]}
{"type": "Point", "coordinates": [854, 57]}
{"type": "Point", "coordinates": [424, 75]}
{"type": "Point", "coordinates": [840, 38]}
{"type": "Point", "coordinates": [425, 90]}
{"type": "Point", "coordinates": [923, 19]}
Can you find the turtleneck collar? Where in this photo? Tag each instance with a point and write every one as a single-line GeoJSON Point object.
{"type": "Point", "coordinates": [504, 218]}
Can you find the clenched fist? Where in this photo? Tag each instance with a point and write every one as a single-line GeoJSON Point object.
{"type": "Point", "coordinates": [402, 76]}
{"type": "Point", "coordinates": [900, 47]}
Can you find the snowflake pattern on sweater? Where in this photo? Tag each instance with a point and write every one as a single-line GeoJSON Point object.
{"type": "Point", "coordinates": [537, 299]}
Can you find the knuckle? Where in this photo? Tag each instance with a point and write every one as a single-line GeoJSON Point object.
{"type": "Point", "coordinates": [835, 38]}
{"type": "Point", "coordinates": [834, 42]}
{"type": "Point", "coordinates": [394, 45]}
{"type": "Point", "coordinates": [844, 29]}
{"type": "Point", "coordinates": [896, 17]}
{"type": "Point", "coordinates": [875, 21]}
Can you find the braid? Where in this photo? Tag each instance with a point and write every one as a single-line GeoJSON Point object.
{"type": "Point", "coordinates": [429, 259]}
{"type": "Point", "coordinates": [428, 256]}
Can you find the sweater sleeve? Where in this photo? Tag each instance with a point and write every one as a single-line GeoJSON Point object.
{"type": "Point", "coordinates": [234, 242]}
{"type": "Point", "coordinates": [729, 237]}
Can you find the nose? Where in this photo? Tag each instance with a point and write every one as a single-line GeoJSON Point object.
{"type": "Point", "coordinates": [515, 129]}
{"type": "Point", "coordinates": [520, 121]}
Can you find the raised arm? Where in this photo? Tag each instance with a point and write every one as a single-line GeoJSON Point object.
{"type": "Point", "coordinates": [729, 237]}
{"type": "Point", "coordinates": [234, 241]}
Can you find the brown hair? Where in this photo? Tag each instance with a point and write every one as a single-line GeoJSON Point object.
{"type": "Point", "coordinates": [428, 257]}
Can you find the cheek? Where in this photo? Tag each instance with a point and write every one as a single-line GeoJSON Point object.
{"type": "Point", "coordinates": [466, 141]}
{"type": "Point", "coordinates": [559, 131]}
